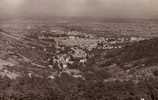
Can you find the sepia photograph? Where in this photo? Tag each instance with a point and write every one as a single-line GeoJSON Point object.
{"type": "Point", "coordinates": [78, 49]}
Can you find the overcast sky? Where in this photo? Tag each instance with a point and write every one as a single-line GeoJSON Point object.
{"type": "Point", "coordinates": [107, 8]}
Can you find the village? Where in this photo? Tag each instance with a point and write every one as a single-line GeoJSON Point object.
{"type": "Point", "coordinates": [73, 48]}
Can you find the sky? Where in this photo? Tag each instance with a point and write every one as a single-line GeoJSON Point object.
{"type": "Point", "coordinates": [94, 8]}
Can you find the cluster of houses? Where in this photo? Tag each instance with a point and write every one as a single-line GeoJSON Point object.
{"type": "Point", "coordinates": [118, 42]}
{"type": "Point", "coordinates": [75, 38]}
{"type": "Point", "coordinates": [80, 42]}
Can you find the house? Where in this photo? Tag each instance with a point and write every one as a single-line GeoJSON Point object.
{"type": "Point", "coordinates": [65, 66]}
{"type": "Point", "coordinates": [51, 77]}
{"type": "Point", "coordinates": [83, 61]}
{"type": "Point", "coordinates": [72, 37]}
